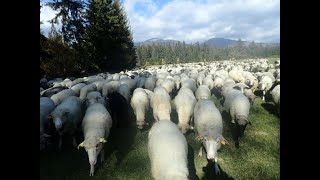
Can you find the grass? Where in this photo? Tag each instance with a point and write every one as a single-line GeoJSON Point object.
{"type": "Point", "coordinates": [126, 155]}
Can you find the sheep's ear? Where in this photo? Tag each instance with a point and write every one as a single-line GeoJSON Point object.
{"type": "Point", "coordinates": [81, 145]}
{"type": "Point", "coordinates": [102, 140]}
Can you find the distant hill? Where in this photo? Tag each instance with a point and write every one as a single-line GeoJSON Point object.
{"type": "Point", "coordinates": [222, 43]}
{"type": "Point", "coordinates": [155, 41]}
{"type": "Point", "coordinates": [213, 42]}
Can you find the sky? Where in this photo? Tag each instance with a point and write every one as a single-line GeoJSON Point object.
{"type": "Point", "coordinates": [198, 20]}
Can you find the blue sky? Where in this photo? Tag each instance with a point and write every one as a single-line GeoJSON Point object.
{"type": "Point", "coordinates": [198, 20]}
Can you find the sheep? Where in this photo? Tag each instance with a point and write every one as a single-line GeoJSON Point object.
{"type": "Point", "coordinates": [67, 117]}
{"type": "Point", "coordinates": [60, 96]}
{"type": "Point", "coordinates": [86, 89]}
{"type": "Point", "coordinates": [150, 83]}
{"type": "Point", "coordinates": [160, 103]}
{"type": "Point", "coordinates": [168, 85]}
{"type": "Point", "coordinates": [236, 75]}
{"type": "Point", "coordinates": [208, 82]}
{"type": "Point", "coordinates": [51, 91]}
{"type": "Point", "coordinates": [94, 97]}
{"type": "Point", "coordinates": [116, 77]}
{"type": "Point", "coordinates": [119, 110]}
{"type": "Point", "coordinates": [132, 83]}
{"type": "Point", "coordinates": [238, 106]}
{"type": "Point", "coordinates": [184, 103]}
{"type": "Point", "coordinates": [168, 152]}
{"type": "Point", "coordinates": [264, 85]}
{"type": "Point", "coordinates": [241, 87]}
{"type": "Point", "coordinates": [46, 107]}
{"type": "Point", "coordinates": [76, 88]}
{"type": "Point", "coordinates": [124, 91]}
{"type": "Point", "coordinates": [217, 83]}
{"type": "Point", "coordinates": [208, 127]}
{"type": "Point", "coordinates": [100, 84]}
{"type": "Point", "coordinates": [250, 95]}
{"type": "Point", "coordinates": [67, 83]}
{"type": "Point", "coordinates": [203, 92]}
{"type": "Point", "coordinates": [200, 78]}
{"type": "Point", "coordinates": [141, 82]}
{"type": "Point", "coordinates": [140, 105]}
{"type": "Point", "coordinates": [96, 127]}
{"type": "Point", "coordinates": [110, 87]}
{"type": "Point", "coordinates": [189, 83]}
{"type": "Point", "coordinates": [275, 92]}
{"type": "Point", "coordinates": [77, 81]}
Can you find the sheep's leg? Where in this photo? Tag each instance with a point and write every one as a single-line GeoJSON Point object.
{"type": "Point", "coordinates": [102, 156]}
{"type": "Point", "coordinates": [200, 152]}
{"type": "Point", "coordinates": [74, 141]}
{"type": "Point", "coordinates": [216, 167]}
{"type": "Point", "coordinates": [60, 143]}
{"type": "Point", "coordinates": [232, 116]}
{"type": "Point", "coordinates": [263, 94]}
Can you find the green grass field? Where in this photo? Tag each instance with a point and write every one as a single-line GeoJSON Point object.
{"type": "Point", "coordinates": [126, 155]}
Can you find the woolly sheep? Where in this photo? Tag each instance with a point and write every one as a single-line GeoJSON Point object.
{"type": "Point", "coordinates": [77, 81]}
{"type": "Point", "coordinates": [189, 83]}
{"type": "Point", "coordinates": [86, 89]}
{"type": "Point", "coordinates": [46, 106]}
{"type": "Point", "coordinates": [110, 87]}
{"type": "Point", "coordinates": [160, 103]}
{"type": "Point", "coordinates": [218, 82]}
{"type": "Point", "coordinates": [208, 82]}
{"type": "Point", "coordinates": [168, 85]}
{"type": "Point", "coordinates": [100, 84]}
{"type": "Point", "coordinates": [264, 85]}
{"type": "Point", "coordinates": [200, 78]}
{"type": "Point", "coordinates": [168, 152]}
{"type": "Point", "coordinates": [76, 88]}
{"type": "Point", "coordinates": [141, 82]}
{"type": "Point", "coordinates": [241, 87]}
{"type": "Point", "coordinates": [184, 103]}
{"type": "Point", "coordinates": [238, 105]}
{"type": "Point", "coordinates": [236, 75]}
{"type": "Point", "coordinates": [124, 91]}
{"type": "Point", "coordinates": [150, 83]}
{"type": "Point", "coordinates": [67, 117]}
{"type": "Point", "coordinates": [132, 83]}
{"type": "Point", "coordinates": [203, 92]}
{"type": "Point", "coordinates": [60, 96]}
{"type": "Point", "coordinates": [96, 127]}
{"type": "Point", "coordinates": [250, 95]}
{"type": "Point", "coordinates": [209, 127]}
{"type": "Point", "coordinates": [94, 97]}
{"type": "Point", "coordinates": [275, 92]}
{"type": "Point", "coordinates": [140, 105]}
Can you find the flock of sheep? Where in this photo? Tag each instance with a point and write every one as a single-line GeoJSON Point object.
{"type": "Point", "coordinates": [93, 105]}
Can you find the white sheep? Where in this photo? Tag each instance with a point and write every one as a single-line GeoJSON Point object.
{"type": "Point", "coordinates": [124, 91]}
{"type": "Point", "coordinates": [94, 97]}
{"type": "Point", "coordinates": [46, 107]}
{"type": "Point", "coordinates": [184, 103]}
{"type": "Point", "coordinates": [189, 83]}
{"type": "Point", "coordinates": [236, 75]}
{"type": "Point", "coordinates": [76, 88]}
{"type": "Point", "coordinates": [238, 105]}
{"type": "Point", "coordinates": [160, 103]}
{"type": "Point", "coordinates": [265, 84]}
{"type": "Point", "coordinates": [86, 89]}
{"type": "Point", "coordinates": [150, 83]}
{"type": "Point", "coordinates": [168, 85]}
{"type": "Point", "coordinates": [250, 95]}
{"type": "Point", "coordinates": [96, 127]}
{"type": "Point", "coordinates": [203, 92]}
{"type": "Point", "coordinates": [67, 117]}
{"type": "Point", "coordinates": [275, 92]}
{"type": "Point", "coordinates": [168, 152]}
{"type": "Point", "coordinates": [60, 96]}
{"type": "Point", "coordinates": [110, 87]}
{"type": "Point", "coordinates": [208, 82]}
{"type": "Point", "coordinates": [200, 78]}
{"type": "Point", "coordinates": [140, 105]}
{"type": "Point", "coordinates": [209, 127]}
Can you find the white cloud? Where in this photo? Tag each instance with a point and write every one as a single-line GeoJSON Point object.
{"type": "Point", "coordinates": [47, 14]}
{"type": "Point", "coordinates": [198, 20]}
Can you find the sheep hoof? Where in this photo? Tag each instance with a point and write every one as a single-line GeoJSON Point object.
{"type": "Point", "coordinates": [217, 170]}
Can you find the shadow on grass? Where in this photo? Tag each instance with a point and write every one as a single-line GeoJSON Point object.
{"type": "Point", "coordinates": [209, 172]}
{"type": "Point", "coordinates": [231, 126]}
{"type": "Point", "coordinates": [191, 165]}
{"type": "Point", "coordinates": [271, 108]}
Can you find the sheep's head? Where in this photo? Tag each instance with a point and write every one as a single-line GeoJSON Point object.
{"type": "Point", "coordinates": [93, 146]}
{"type": "Point", "coordinates": [212, 142]}
{"type": "Point", "coordinates": [242, 123]}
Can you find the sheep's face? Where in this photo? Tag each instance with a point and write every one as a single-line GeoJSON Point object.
{"type": "Point", "coordinates": [211, 145]}
{"type": "Point", "coordinates": [60, 120]}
